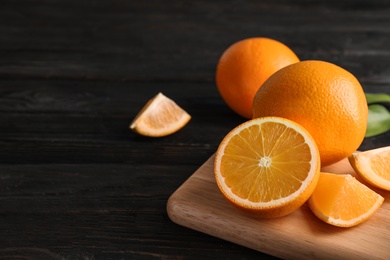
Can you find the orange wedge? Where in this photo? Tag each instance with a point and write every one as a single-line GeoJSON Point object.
{"type": "Point", "coordinates": [161, 116]}
{"type": "Point", "coordinates": [373, 166]}
{"type": "Point", "coordinates": [268, 166]}
{"type": "Point", "coordinates": [343, 201]}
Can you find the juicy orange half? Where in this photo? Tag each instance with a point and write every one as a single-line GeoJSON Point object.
{"type": "Point", "coordinates": [373, 166]}
{"type": "Point", "coordinates": [268, 166]}
{"type": "Point", "coordinates": [160, 116]}
{"type": "Point", "coordinates": [341, 200]}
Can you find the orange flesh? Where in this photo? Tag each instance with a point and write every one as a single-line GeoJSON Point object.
{"type": "Point", "coordinates": [379, 163]}
{"type": "Point", "coordinates": [342, 197]}
{"type": "Point", "coordinates": [276, 163]}
{"type": "Point", "coordinates": [327, 192]}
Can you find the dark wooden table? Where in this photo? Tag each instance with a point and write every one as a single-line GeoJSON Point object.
{"type": "Point", "coordinates": [75, 182]}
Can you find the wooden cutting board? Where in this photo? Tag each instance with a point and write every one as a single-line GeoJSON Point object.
{"type": "Point", "coordinates": [199, 205]}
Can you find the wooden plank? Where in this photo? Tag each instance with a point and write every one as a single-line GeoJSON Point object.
{"type": "Point", "coordinates": [126, 40]}
{"type": "Point", "coordinates": [54, 121]}
{"type": "Point", "coordinates": [199, 205]}
{"type": "Point", "coordinates": [72, 211]}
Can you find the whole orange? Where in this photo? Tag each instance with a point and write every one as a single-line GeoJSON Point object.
{"type": "Point", "coordinates": [324, 98]}
{"type": "Point", "coordinates": [244, 67]}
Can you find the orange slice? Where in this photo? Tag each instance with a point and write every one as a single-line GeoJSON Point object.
{"type": "Point", "coordinates": [343, 201]}
{"type": "Point", "coordinates": [161, 116]}
{"type": "Point", "coordinates": [268, 166]}
{"type": "Point", "coordinates": [373, 166]}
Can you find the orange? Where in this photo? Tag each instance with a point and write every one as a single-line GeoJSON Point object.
{"type": "Point", "coordinates": [322, 97]}
{"type": "Point", "coordinates": [267, 166]}
{"type": "Point", "coordinates": [341, 200]}
{"type": "Point", "coordinates": [160, 116]}
{"type": "Point", "coordinates": [245, 65]}
{"type": "Point", "coordinates": [373, 166]}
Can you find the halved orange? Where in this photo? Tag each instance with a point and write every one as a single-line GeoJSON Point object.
{"type": "Point", "coordinates": [341, 200]}
{"type": "Point", "coordinates": [268, 166]}
{"type": "Point", "coordinates": [373, 166]}
{"type": "Point", "coordinates": [160, 116]}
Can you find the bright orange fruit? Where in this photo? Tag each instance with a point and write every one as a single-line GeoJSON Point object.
{"type": "Point", "coordinates": [373, 166]}
{"type": "Point", "coordinates": [245, 65]}
{"type": "Point", "coordinates": [324, 98]}
{"type": "Point", "coordinates": [160, 116]}
{"type": "Point", "coordinates": [268, 166]}
{"type": "Point", "coordinates": [341, 200]}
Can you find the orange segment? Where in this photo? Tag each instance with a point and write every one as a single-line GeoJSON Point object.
{"type": "Point", "coordinates": [161, 116]}
{"type": "Point", "coordinates": [341, 200]}
{"type": "Point", "coordinates": [268, 166]}
{"type": "Point", "coordinates": [373, 166]}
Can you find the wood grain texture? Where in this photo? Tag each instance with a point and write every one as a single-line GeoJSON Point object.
{"type": "Point", "coordinates": [75, 183]}
{"type": "Point", "coordinates": [198, 204]}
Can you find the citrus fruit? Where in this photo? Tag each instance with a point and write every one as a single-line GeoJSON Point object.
{"type": "Point", "coordinates": [160, 116]}
{"type": "Point", "coordinates": [373, 166]}
{"type": "Point", "coordinates": [267, 166]}
{"type": "Point", "coordinates": [245, 65]}
{"type": "Point", "coordinates": [341, 200]}
{"type": "Point", "coordinates": [324, 98]}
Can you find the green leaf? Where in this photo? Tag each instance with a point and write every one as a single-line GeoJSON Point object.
{"type": "Point", "coordinates": [378, 120]}
{"type": "Point", "coordinates": [377, 98]}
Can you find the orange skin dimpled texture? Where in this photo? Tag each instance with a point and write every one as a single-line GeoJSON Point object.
{"type": "Point", "coordinates": [324, 98]}
{"type": "Point", "coordinates": [243, 68]}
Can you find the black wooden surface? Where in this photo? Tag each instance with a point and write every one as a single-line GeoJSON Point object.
{"type": "Point", "coordinates": [75, 183]}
